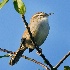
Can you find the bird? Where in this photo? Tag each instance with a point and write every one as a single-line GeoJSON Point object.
{"type": "Point", "coordinates": [39, 27]}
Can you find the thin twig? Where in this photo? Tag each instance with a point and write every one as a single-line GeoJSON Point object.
{"type": "Point", "coordinates": [61, 61]}
{"type": "Point", "coordinates": [4, 50]}
{"type": "Point", "coordinates": [33, 60]}
{"type": "Point", "coordinates": [37, 48]}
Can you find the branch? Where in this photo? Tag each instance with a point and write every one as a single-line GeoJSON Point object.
{"type": "Point", "coordinates": [33, 60]}
{"type": "Point", "coordinates": [61, 61]}
{"type": "Point", "coordinates": [36, 47]}
{"type": "Point", "coordinates": [4, 50]}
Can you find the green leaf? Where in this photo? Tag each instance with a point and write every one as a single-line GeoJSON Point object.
{"type": "Point", "coordinates": [3, 3]}
{"type": "Point", "coordinates": [66, 68]}
{"type": "Point", "coordinates": [19, 6]}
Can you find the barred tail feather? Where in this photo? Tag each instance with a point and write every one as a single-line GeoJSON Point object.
{"type": "Point", "coordinates": [15, 58]}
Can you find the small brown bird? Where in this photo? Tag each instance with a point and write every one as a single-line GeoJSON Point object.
{"type": "Point", "coordinates": [39, 28]}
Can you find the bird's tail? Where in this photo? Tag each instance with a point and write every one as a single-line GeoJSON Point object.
{"type": "Point", "coordinates": [15, 58]}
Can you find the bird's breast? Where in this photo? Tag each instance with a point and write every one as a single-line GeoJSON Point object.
{"type": "Point", "coordinates": [40, 32]}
